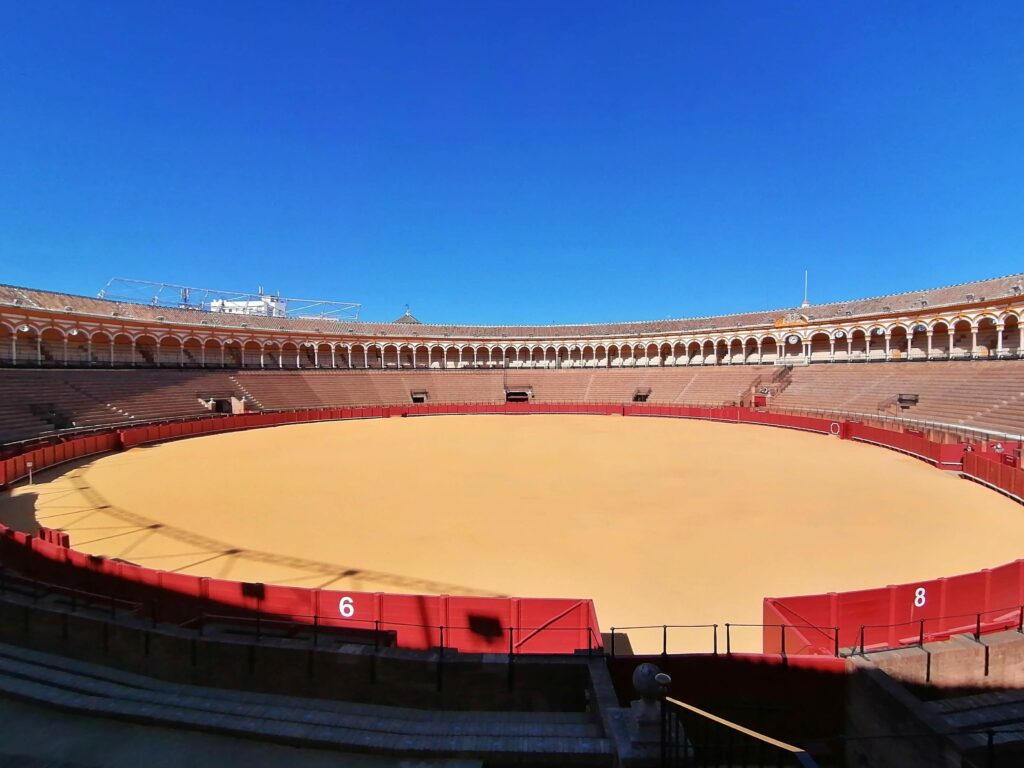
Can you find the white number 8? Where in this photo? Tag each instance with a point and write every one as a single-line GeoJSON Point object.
{"type": "Point", "coordinates": [919, 597]}
{"type": "Point", "coordinates": [346, 609]}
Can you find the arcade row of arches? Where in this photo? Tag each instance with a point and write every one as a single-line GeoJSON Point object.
{"type": "Point", "coordinates": [962, 338]}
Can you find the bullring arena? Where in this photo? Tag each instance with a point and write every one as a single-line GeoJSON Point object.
{"type": "Point", "coordinates": [810, 518]}
{"type": "Point", "coordinates": [658, 520]}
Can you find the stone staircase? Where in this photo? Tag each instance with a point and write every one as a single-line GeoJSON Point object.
{"type": "Point", "coordinates": [515, 738]}
{"type": "Point", "coordinates": [247, 396]}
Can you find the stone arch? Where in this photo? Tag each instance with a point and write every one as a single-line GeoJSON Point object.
{"type": "Point", "coordinates": [192, 352]}
{"type": "Point", "coordinates": [325, 357]}
{"type": "Point", "coordinates": [272, 356]}
{"type": "Point", "coordinates": [122, 349]}
{"type": "Point", "coordinates": [821, 347]}
{"type": "Point", "coordinates": [421, 356]}
{"type": "Point", "coordinates": [769, 350]}
{"type": "Point", "coordinates": [1012, 346]}
{"type": "Point", "coordinates": [101, 349]}
{"type": "Point", "coordinates": [899, 342]}
{"type": "Point", "coordinates": [721, 351]}
{"type": "Point", "coordinates": [792, 347]}
{"type": "Point", "coordinates": [389, 356]}
{"type": "Point", "coordinates": [988, 339]}
{"type": "Point", "coordinates": [289, 354]}
{"type": "Point", "coordinates": [941, 339]}
{"type": "Point", "coordinates": [7, 344]}
{"type": "Point", "coordinates": [917, 341]}
{"type": "Point", "coordinates": [51, 347]}
{"type": "Point", "coordinates": [750, 350]}
{"type": "Point", "coordinates": [26, 345]}
{"type": "Point", "coordinates": [146, 351]}
{"type": "Point", "coordinates": [266, 356]}
{"type": "Point", "coordinates": [233, 353]}
{"type": "Point", "coordinates": [77, 347]}
{"type": "Point", "coordinates": [962, 338]}
{"type": "Point", "coordinates": [213, 354]}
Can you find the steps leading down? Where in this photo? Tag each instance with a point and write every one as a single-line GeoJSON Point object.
{"type": "Point", "coordinates": [520, 738]}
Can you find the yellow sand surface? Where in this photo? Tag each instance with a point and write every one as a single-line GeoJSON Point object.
{"type": "Point", "coordinates": [658, 520]}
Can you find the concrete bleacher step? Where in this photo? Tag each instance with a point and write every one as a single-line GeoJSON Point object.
{"type": "Point", "coordinates": [522, 737]}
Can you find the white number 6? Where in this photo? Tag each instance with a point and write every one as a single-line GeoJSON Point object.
{"type": "Point", "coordinates": [919, 597]}
{"type": "Point", "coordinates": [346, 609]}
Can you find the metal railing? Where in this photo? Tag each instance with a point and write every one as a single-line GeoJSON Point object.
{"type": "Point", "coordinates": [916, 632]}
{"type": "Point", "coordinates": [665, 630]}
{"type": "Point", "coordinates": [693, 738]}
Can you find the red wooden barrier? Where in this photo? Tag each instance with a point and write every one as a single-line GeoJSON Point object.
{"type": "Point", "coordinates": [1004, 477]}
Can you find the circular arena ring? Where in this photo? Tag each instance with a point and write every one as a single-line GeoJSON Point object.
{"type": "Point", "coordinates": [460, 533]}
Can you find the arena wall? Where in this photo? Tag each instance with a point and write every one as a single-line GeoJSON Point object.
{"type": "Point", "coordinates": [985, 601]}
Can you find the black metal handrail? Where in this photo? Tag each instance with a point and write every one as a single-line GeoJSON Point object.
{"type": "Point", "coordinates": [693, 738]}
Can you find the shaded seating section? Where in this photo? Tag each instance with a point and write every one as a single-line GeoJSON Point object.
{"type": "Point", "coordinates": [37, 402]}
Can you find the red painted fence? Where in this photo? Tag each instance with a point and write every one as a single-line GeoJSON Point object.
{"type": "Point", "coordinates": [990, 600]}
{"type": "Point", "coordinates": [891, 616]}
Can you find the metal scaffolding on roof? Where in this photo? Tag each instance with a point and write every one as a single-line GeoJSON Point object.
{"type": "Point", "coordinates": [261, 303]}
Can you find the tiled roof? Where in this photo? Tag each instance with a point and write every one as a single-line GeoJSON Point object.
{"type": "Point", "coordinates": [890, 304]}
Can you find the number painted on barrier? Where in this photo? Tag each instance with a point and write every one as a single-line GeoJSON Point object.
{"type": "Point", "coordinates": [919, 597]}
{"type": "Point", "coordinates": [346, 608]}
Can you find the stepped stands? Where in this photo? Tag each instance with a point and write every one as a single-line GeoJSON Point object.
{"type": "Point", "coordinates": [35, 402]}
{"type": "Point", "coordinates": [984, 395]}
{"type": "Point", "coordinates": [987, 395]}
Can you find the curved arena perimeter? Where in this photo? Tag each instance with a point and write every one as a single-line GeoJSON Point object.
{"type": "Point", "coordinates": [658, 520]}
{"type": "Point", "coordinates": [251, 501]}
{"type": "Point", "coordinates": [935, 374]}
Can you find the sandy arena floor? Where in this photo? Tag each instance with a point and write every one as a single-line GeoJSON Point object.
{"type": "Point", "coordinates": [658, 520]}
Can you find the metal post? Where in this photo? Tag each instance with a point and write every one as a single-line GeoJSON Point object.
{"type": "Point", "coordinates": [715, 638]}
{"type": "Point", "coordinates": [782, 628]}
{"type": "Point", "coordinates": [861, 639]}
{"type": "Point", "coordinates": [728, 640]}
{"type": "Point", "coordinates": [613, 632]}
{"type": "Point", "coordinates": [664, 639]}
{"type": "Point", "coordinates": [837, 641]}
{"type": "Point", "coordinates": [977, 628]}
{"type": "Point", "coordinates": [920, 638]}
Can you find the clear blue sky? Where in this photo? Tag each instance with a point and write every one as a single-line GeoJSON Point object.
{"type": "Point", "coordinates": [513, 161]}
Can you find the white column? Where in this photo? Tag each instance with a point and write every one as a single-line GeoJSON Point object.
{"type": "Point", "coordinates": [65, 351]}
{"type": "Point", "coordinates": [831, 349]}
{"type": "Point", "coordinates": [133, 353]}
{"type": "Point", "coordinates": [888, 350]}
{"type": "Point", "coordinates": [316, 356]}
{"type": "Point", "coordinates": [849, 347]}
{"type": "Point", "coordinates": [867, 345]}
{"type": "Point", "coordinates": [974, 342]}
{"type": "Point", "coordinates": [760, 352]}
{"type": "Point", "coordinates": [999, 340]}
{"type": "Point", "coordinates": [334, 360]}
{"type": "Point", "coordinates": [928, 348]}
{"type": "Point", "coordinates": [39, 350]}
